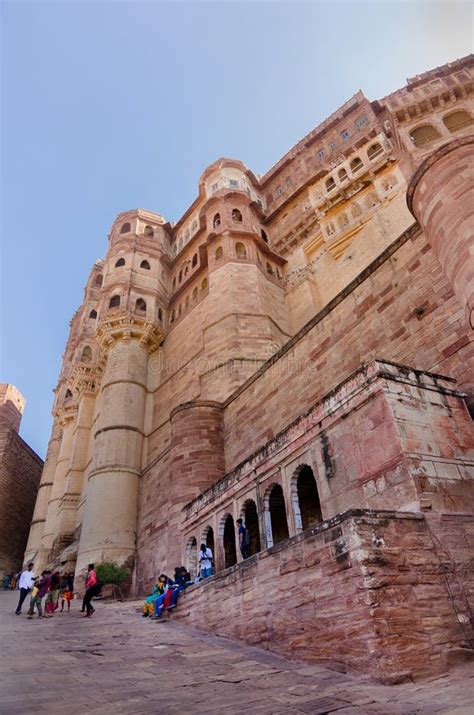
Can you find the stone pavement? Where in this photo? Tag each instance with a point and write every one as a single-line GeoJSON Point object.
{"type": "Point", "coordinates": [118, 662]}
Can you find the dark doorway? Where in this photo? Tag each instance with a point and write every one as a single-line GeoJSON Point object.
{"type": "Point", "coordinates": [210, 539]}
{"type": "Point", "coordinates": [250, 516]}
{"type": "Point", "coordinates": [230, 553]}
{"type": "Point", "coordinates": [276, 504]}
{"type": "Point", "coordinates": [308, 498]}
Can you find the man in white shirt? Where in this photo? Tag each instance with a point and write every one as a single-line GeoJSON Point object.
{"type": "Point", "coordinates": [27, 579]}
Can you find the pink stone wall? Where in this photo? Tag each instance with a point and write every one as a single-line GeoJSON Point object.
{"type": "Point", "coordinates": [356, 594]}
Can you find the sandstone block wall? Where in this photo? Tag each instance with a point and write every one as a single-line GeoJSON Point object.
{"type": "Point", "coordinates": [20, 472]}
{"type": "Point", "coordinates": [365, 592]}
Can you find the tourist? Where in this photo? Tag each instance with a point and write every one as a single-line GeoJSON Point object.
{"type": "Point", "coordinates": [67, 593]}
{"type": "Point", "coordinates": [158, 603]}
{"type": "Point", "coordinates": [148, 606]}
{"type": "Point", "coordinates": [205, 561]}
{"type": "Point", "coordinates": [6, 581]}
{"type": "Point", "coordinates": [52, 598]}
{"type": "Point", "coordinates": [37, 594]}
{"type": "Point", "coordinates": [93, 587]}
{"type": "Point", "coordinates": [244, 538]}
{"type": "Point", "coordinates": [27, 580]}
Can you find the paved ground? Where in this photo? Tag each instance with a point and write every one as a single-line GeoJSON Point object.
{"type": "Point", "coordinates": [117, 662]}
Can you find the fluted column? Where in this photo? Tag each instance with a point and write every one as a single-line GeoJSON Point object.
{"type": "Point", "coordinates": [34, 551]}
{"type": "Point", "coordinates": [74, 476]}
{"type": "Point", "coordinates": [441, 197]}
{"type": "Point", "coordinates": [58, 486]}
{"type": "Point", "coordinates": [109, 524]}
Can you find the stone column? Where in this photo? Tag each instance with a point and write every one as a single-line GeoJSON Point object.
{"type": "Point", "coordinates": [50, 532]}
{"type": "Point", "coordinates": [79, 452]}
{"type": "Point", "coordinates": [441, 197]}
{"type": "Point", "coordinates": [196, 462]}
{"type": "Point", "coordinates": [34, 551]}
{"type": "Point", "coordinates": [109, 527]}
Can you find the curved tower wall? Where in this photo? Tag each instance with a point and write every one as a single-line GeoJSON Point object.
{"type": "Point", "coordinates": [441, 196]}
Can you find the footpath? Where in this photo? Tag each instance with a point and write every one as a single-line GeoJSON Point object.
{"type": "Point", "coordinates": [118, 662]}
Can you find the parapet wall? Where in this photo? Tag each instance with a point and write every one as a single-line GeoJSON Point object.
{"type": "Point", "coordinates": [371, 592]}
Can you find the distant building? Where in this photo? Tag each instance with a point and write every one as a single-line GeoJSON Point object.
{"type": "Point", "coordinates": [298, 350]}
{"type": "Point", "coordinates": [20, 472]}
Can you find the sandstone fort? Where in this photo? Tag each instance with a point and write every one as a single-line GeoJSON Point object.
{"type": "Point", "coordinates": [297, 350]}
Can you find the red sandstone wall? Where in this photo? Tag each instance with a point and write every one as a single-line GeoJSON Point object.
{"type": "Point", "coordinates": [20, 472]}
{"type": "Point", "coordinates": [356, 594]}
{"type": "Point", "coordinates": [404, 310]}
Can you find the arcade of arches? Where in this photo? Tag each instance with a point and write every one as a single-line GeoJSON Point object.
{"type": "Point", "coordinates": [278, 518]}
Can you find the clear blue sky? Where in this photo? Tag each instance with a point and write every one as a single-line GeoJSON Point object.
{"type": "Point", "coordinates": [109, 105]}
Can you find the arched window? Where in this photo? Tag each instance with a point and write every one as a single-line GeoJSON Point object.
{"type": "Point", "coordinates": [230, 553]}
{"type": "Point", "coordinates": [120, 263]}
{"type": "Point", "coordinates": [191, 557]}
{"type": "Point", "coordinates": [173, 316]}
{"type": "Point", "coordinates": [372, 200]}
{"type": "Point", "coordinates": [186, 270]}
{"type": "Point", "coordinates": [195, 260]}
{"type": "Point", "coordinates": [356, 210]}
{"type": "Point", "coordinates": [140, 306]}
{"type": "Point", "coordinates": [275, 516]}
{"type": "Point", "coordinates": [86, 355]}
{"type": "Point", "coordinates": [126, 228]}
{"type": "Point", "coordinates": [98, 281]}
{"type": "Point", "coordinates": [264, 235]}
{"type": "Point", "coordinates": [68, 394]}
{"type": "Point", "coordinates": [216, 221]}
{"type": "Point", "coordinates": [93, 314]}
{"type": "Point", "coordinates": [374, 151]}
{"type": "Point", "coordinates": [269, 269]}
{"type": "Point", "coordinates": [195, 294]}
{"type": "Point", "coordinates": [148, 231]}
{"type": "Point", "coordinates": [342, 174]}
{"type": "Point", "coordinates": [457, 121]}
{"type": "Point", "coordinates": [305, 498]}
{"type": "Point", "coordinates": [240, 250]}
{"type": "Point", "coordinates": [204, 285]}
{"type": "Point", "coordinates": [145, 265]}
{"type": "Point", "coordinates": [250, 517]}
{"type": "Point", "coordinates": [343, 220]}
{"type": "Point", "coordinates": [356, 164]}
{"type": "Point", "coordinates": [208, 539]}
{"type": "Point", "coordinates": [424, 135]}
{"type": "Point", "coordinates": [114, 301]}
{"type": "Point", "coordinates": [330, 184]}
{"type": "Point", "coordinates": [180, 276]}
{"type": "Point", "coordinates": [160, 315]}
{"type": "Point", "coordinates": [219, 253]}
{"type": "Point", "coordinates": [236, 216]}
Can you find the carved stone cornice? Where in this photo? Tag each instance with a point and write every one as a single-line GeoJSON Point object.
{"type": "Point", "coordinates": [85, 377]}
{"type": "Point", "coordinates": [67, 413]}
{"type": "Point", "coordinates": [124, 326]}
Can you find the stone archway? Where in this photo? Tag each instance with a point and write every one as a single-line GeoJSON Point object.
{"type": "Point", "coordinates": [227, 533]}
{"type": "Point", "coordinates": [250, 517]}
{"type": "Point", "coordinates": [305, 498]}
{"type": "Point", "coordinates": [191, 556]}
{"type": "Point", "coordinates": [276, 522]}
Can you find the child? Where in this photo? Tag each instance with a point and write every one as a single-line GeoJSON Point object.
{"type": "Point", "coordinates": [66, 597]}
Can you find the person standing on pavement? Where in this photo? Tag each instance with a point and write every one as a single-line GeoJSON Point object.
{"type": "Point", "coordinates": [37, 597]}
{"type": "Point", "coordinates": [27, 579]}
{"type": "Point", "coordinates": [93, 587]}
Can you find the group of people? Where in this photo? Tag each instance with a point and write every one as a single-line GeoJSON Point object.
{"type": "Point", "coordinates": [165, 594]}
{"type": "Point", "coordinates": [166, 591]}
{"type": "Point", "coordinates": [57, 589]}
